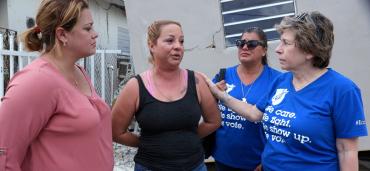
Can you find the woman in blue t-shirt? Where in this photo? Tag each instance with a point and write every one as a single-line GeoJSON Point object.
{"type": "Point", "coordinates": [249, 81]}
{"type": "Point", "coordinates": [312, 115]}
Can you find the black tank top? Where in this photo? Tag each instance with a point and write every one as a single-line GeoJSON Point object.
{"type": "Point", "coordinates": [169, 139]}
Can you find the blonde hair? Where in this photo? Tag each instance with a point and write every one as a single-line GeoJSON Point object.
{"type": "Point", "coordinates": [313, 34]}
{"type": "Point", "coordinates": [154, 31]}
{"type": "Point", "coordinates": [51, 15]}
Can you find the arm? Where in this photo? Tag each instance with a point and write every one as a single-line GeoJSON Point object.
{"type": "Point", "coordinates": [25, 109]}
{"type": "Point", "coordinates": [123, 113]}
{"type": "Point", "coordinates": [347, 153]}
{"type": "Point", "coordinates": [246, 110]}
{"type": "Point", "coordinates": [211, 114]}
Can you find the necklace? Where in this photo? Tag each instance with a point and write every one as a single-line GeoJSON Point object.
{"type": "Point", "coordinates": [168, 98]}
{"type": "Point", "coordinates": [73, 81]}
{"type": "Point", "coordinates": [244, 97]}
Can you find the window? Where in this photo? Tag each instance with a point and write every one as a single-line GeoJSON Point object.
{"type": "Point", "coordinates": [123, 40]}
{"type": "Point", "coordinates": [241, 14]}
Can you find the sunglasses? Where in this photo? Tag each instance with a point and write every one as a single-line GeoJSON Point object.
{"type": "Point", "coordinates": [302, 18]}
{"type": "Point", "coordinates": [251, 44]}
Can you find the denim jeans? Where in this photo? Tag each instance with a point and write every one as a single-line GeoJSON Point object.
{"type": "Point", "coordinates": [139, 167]}
{"type": "Point", "coordinates": [223, 167]}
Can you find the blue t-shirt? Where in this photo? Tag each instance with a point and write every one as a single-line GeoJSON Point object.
{"type": "Point", "coordinates": [239, 143]}
{"type": "Point", "coordinates": [301, 127]}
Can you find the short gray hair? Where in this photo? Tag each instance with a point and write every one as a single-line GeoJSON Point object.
{"type": "Point", "coordinates": [313, 34]}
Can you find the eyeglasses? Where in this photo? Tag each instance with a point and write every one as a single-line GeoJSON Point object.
{"type": "Point", "coordinates": [251, 44]}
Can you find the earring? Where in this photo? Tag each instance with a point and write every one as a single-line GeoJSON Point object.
{"type": "Point", "coordinates": [64, 44]}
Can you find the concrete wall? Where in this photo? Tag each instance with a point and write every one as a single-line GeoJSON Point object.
{"type": "Point", "coordinates": [350, 54]}
{"type": "Point", "coordinates": [18, 11]}
{"type": "Point", "coordinates": [3, 14]}
{"type": "Point", "coordinates": [107, 18]}
{"type": "Point", "coordinates": [199, 25]}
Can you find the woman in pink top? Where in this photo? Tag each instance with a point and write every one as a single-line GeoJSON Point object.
{"type": "Point", "coordinates": [51, 118]}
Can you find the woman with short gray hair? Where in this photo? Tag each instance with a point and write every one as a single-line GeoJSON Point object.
{"type": "Point", "coordinates": [312, 115]}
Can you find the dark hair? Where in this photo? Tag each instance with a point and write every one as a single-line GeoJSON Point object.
{"type": "Point", "coordinates": [313, 34]}
{"type": "Point", "coordinates": [262, 36]}
{"type": "Point", "coordinates": [51, 15]}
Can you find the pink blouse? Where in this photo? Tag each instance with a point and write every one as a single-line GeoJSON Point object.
{"type": "Point", "coordinates": [46, 124]}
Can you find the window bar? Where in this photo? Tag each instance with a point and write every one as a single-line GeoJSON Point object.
{"type": "Point", "coordinates": [257, 19]}
{"type": "Point", "coordinates": [257, 7]}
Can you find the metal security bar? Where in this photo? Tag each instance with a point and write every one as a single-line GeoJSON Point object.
{"type": "Point", "coordinates": [100, 66]}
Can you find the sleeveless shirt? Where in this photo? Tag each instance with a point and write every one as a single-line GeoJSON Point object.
{"type": "Point", "coordinates": [169, 139]}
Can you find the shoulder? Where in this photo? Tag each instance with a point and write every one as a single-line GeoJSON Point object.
{"type": "Point", "coordinates": [283, 77]}
{"type": "Point", "coordinates": [198, 78]}
{"type": "Point", "coordinates": [232, 69]}
{"type": "Point", "coordinates": [129, 91]}
{"type": "Point", "coordinates": [341, 82]}
{"type": "Point", "coordinates": [200, 82]}
{"type": "Point", "coordinates": [133, 82]}
{"type": "Point", "coordinates": [273, 71]}
{"type": "Point", "coordinates": [38, 74]}
{"type": "Point", "coordinates": [36, 82]}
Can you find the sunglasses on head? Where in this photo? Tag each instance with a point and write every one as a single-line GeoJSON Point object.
{"type": "Point", "coordinates": [302, 18]}
{"type": "Point", "coordinates": [251, 44]}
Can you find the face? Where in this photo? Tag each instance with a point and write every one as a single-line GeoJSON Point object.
{"type": "Point", "coordinates": [247, 55]}
{"type": "Point", "coordinates": [82, 38]}
{"type": "Point", "coordinates": [169, 48]}
{"type": "Point", "coordinates": [290, 56]}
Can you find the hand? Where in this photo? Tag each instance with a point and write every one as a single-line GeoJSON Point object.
{"type": "Point", "coordinates": [221, 85]}
{"type": "Point", "coordinates": [258, 168]}
{"type": "Point", "coordinates": [216, 89]}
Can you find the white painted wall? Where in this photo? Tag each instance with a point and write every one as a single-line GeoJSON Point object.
{"type": "Point", "coordinates": [3, 14]}
{"type": "Point", "coordinates": [107, 18]}
{"type": "Point", "coordinates": [18, 11]}
{"type": "Point", "coordinates": [202, 19]}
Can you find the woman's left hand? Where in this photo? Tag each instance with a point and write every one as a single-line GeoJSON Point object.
{"type": "Point", "coordinates": [216, 89]}
{"type": "Point", "coordinates": [258, 168]}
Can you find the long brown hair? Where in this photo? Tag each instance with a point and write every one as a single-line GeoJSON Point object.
{"type": "Point", "coordinates": [51, 15]}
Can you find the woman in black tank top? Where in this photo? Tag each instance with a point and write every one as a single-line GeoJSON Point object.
{"type": "Point", "coordinates": [167, 102]}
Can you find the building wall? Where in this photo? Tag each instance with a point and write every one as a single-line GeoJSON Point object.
{"type": "Point", "coordinates": [107, 18]}
{"type": "Point", "coordinates": [199, 26]}
{"type": "Point", "coordinates": [3, 14]}
{"type": "Point", "coordinates": [350, 56]}
{"type": "Point", "coordinates": [18, 11]}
